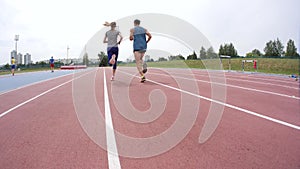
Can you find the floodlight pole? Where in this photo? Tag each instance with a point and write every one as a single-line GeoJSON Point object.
{"type": "Point", "coordinates": [67, 54]}
{"type": "Point", "coordinates": [16, 46]}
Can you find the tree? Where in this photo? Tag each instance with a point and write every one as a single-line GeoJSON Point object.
{"type": "Point", "coordinates": [228, 50]}
{"type": "Point", "coordinates": [221, 50]}
{"type": "Point", "coordinates": [211, 53]}
{"type": "Point", "coordinates": [192, 56]}
{"type": "Point", "coordinates": [203, 54]}
{"type": "Point", "coordinates": [274, 48]}
{"type": "Point", "coordinates": [177, 57]}
{"type": "Point", "coordinates": [103, 59]}
{"type": "Point", "coordinates": [42, 63]}
{"type": "Point", "coordinates": [279, 47]}
{"type": "Point", "coordinates": [162, 59]}
{"type": "Point", "coordinates": [254, 53]}
{"type": "Point", "coordinates": [291, 50]}
{"type": "Point", "coordinates": [269, 49]}
{"type": "Point", "coordinates": [7, 66]}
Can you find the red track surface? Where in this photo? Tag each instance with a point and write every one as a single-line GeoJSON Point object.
{"type": "Point", "coordinates": [46, 132]}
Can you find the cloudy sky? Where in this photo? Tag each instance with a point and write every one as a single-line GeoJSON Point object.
{"type": "Point", "coordinates": [47, 27]}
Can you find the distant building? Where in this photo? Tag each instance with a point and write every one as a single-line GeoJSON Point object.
{"type": "Point", "coordinates": [147, 58]}
{"type": "Point", "coordinates": [27, 59]}
{"type": "Point", "coordinates": [19, 59]}
{"type": "Point", "coordinates": [86, 59]}
{"type": "Point", "coordinates": [128, 60]}
{"type": "Point", "coordinates": [13, 54]}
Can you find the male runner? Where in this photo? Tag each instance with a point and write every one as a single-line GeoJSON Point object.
{"type": "Point", "coordinates": [51, 64]}
{"type": "Point", "coordinates": [138, 35]}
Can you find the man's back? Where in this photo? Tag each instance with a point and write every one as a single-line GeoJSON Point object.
{"type": "Point", "coordinates": [139, 42]}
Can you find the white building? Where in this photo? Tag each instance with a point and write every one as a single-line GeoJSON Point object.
{"type": "Point", "coordinates": [19, 59]}
{"type": "Point", "coordinates": [147, 58]}
{"type": "Point", "coordinates": [27, 59]}
{"type": "Point", "coordinates": [13, 54]}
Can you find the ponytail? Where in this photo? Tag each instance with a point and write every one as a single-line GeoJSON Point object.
{"type": "Point", "coordinates": [106, 24]}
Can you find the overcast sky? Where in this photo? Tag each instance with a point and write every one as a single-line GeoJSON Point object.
{"type": "Point", "coordinates": [47, 27]}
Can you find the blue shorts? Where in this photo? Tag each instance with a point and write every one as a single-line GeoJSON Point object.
{"type": "Point", "coordinates": [139, 50]}
{"type": "Point", "coordinates": [13, 66]}
{"type": "Point", "coordinates": [113, 51]}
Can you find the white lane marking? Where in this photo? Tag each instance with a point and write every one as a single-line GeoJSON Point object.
{"type": "Point", "coordinates": [264, 83]}
{"type": "Point", "coordinates": [224, 104]}
{"type": "Point", "coordinates": [112, 151]}
{"type": "Point", "coordinates": [234, 86]}
{"type": "Point", "coordinates": [258, 77]}
{"type": "Point", "coordinates": [250, 76]}
{"type": "Point", "coordinates": [34, 83]}
{"type": "Point", "coordinates": [39, 95]}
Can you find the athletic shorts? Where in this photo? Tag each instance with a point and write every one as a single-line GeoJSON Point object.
{"type": "Point", "coordinates": [13, 66]}
{"type": "Point", "coordinates": [139, 50]}
{"type": "Point", "coordinates": [113, 51]}
{"type": "Point", "coordinates": [51, 64]}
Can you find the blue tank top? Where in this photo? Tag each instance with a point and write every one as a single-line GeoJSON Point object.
{"type": "Point", "coordinates": [51, 60]}
{"type": "Point", "coordinates": [139, 41]}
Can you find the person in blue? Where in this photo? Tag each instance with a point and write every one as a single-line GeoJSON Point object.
{"type": "Point", "coordinates": [138, 35]}
{"type": "Point", "coordinates": [51, 64]}
{"type": "Point", "coordinates": [111, 38]}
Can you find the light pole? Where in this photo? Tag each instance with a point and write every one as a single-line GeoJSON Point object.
{"type": "Point", "coordinates": [67, 54]}
{"type": "Point", "coordinates": [16, 39]}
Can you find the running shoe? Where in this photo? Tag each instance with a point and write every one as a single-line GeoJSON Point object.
{"type": "Point", "coordinates": [143, 79]}
{"type": "Point", "coordinates": [145, 67]}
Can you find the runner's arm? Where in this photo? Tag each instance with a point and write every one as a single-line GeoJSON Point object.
{"type": "Point", "coordinates": [149, 35]}
{"type": "Point", "coordinates": [131, 34]}
{"type": "Point", "coordinates": [105, 39]}
{"type": "Point", "coordinates": [121, 38]}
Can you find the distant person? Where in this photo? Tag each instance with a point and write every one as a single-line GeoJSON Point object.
{"type": "Point", "coordinates": [13, 65]}
{"type": "Point", "coordinates": [111, 38]}
{"type": "Point", "coordinates": [138, 35]}
{"type": "Point", "coordinates": [51, 64]}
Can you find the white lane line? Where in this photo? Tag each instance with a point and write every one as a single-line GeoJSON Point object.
{"type": "Point", "coordinates": [34, 83]}
{"type": "Point", "coordinates": [37, 96]}
{"type": "Point", "coordinates": [258, 77]}
{"type": "Point", "coordinates": [264, 83]}
{"type": "Point", "coordinates": [224, 104]}
{"type": "Point", "coordinates": [287, 80]}
{"type": "Point", "coordinates": [252, 76]}
{"type": "Point", "coordinates": [112, 151]}
{"type": "Point", "coordinates": [234, 86]}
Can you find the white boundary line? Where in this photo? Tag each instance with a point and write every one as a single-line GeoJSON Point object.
{"type": "Point", "coordinates": [267, 79]}
{"type": "Point", "coordinates": [224, 104]}
{"type": "Point", "coordinates": [39, 95]}
{"type": "Point", "coordinates": [235, 79]}
{"type": "Point", "coordinates": [112, 151]}
{"type": "Point", "coordinates": [258, 77]}
{"type": "Point", "coordinates": [34, 83]}
{"type": "Point", "coordinates": [234, 86]}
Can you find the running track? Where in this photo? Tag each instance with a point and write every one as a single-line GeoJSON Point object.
{"type": "Point", "coordinates": [59, 121]}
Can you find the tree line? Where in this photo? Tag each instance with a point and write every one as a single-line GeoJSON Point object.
{"type": "Point", "coordinates": [273, 49]}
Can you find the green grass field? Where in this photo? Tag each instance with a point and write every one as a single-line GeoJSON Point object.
{"type": "Point", "coordinates": [265, 65]}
